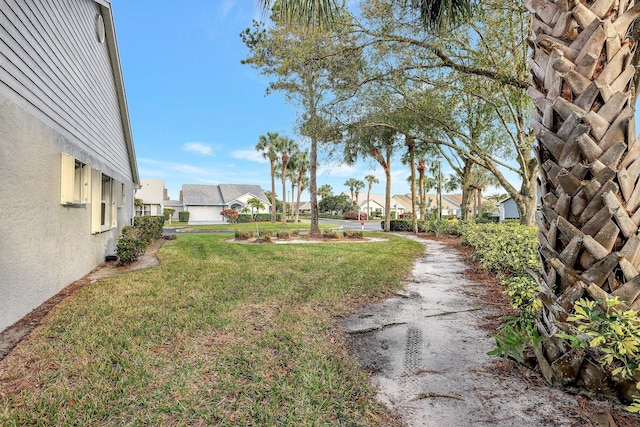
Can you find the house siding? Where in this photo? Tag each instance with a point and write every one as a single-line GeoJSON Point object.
{"type": "Point", "coordinates": [57, 95]}
{"type": "Point", "coordinates": [53, 64]}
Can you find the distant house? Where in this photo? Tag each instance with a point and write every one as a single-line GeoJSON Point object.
{"type": "Point", "coordinates": [304, 207]}
{"type": "Point", "coordinates": [152, 193]}
{"type": "Point", "coordinates": [507, 209]}
{"type": "Point", "coordinates": [206, 202]}
{"type": "Point", "coordinates": [67, 164]}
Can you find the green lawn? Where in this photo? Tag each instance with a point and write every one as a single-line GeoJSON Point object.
{"type": "Point", "coordinates": [219, 334]}
{"type": "Point", "coordinates": [251, 226]}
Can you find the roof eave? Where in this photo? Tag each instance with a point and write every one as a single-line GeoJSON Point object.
{"type": "Point", "coordinates": [114, 56]}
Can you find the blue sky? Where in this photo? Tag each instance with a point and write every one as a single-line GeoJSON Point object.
{"type": "Point", "coordinates": [196, 112]}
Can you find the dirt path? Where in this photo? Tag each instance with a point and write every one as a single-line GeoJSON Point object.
{"type": "Point", "coordinates": [427, 355]}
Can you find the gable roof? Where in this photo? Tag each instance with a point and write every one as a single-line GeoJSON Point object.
{"type": "Point", "coordinates": [201, 195]}
{"type": "Point", "coordinates": [402, 200]}
{"type": "Point", "coordinates": [231, 192]}
{"type": "Point", "coordinates": [219, 195]}
{"type": "Point", "coordinates": [454, 199]}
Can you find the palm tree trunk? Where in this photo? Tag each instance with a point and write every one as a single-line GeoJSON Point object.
{"type": "Point", "coordinates": [412, 161]}
{"type": "Point", "coordinates": [422, 167]}
{"type": "Point", "coordinates": [585, 129]}
{"type": "Point", "coordinates": [313, 187]}
{"type": "Point", "coordinates": [285, 160]}
{"type": "Point", "coordinates": [273, 191]}
{"type": "Point", "coordinates": [387, 199]}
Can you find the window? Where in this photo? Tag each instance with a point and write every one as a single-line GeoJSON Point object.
{"type": "Point", "coordinates": [103, 202]}
{"type": "Point", "coordinates": [75, 181]}
{"type": "Point", "coordinates": [143, 210]}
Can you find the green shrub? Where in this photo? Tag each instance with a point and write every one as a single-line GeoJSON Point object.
{"type": "Point", "coordinates": [183, 216]}
{"type": "Point", "coordinates": [244, 235]}
{"type": "Point", "coordinates": [130, 245]}
{"type": "Point", "coordinates": [615, 332]}
{"type": "Point", "coordinates": [441, 227]}
{"type": "Point", "coordinates": [505, 249]}
{"type": "Point", "coordinates": [265, 235]}
{"type": "Point", "coordinates": [167, 213]}
{"type": "Point", "coordinates": [353, 234]}
{"type": "Point", "coordinates": [523, 295]}
{"type": "Point", "coordinates": [330, 234]}
{"type": "Point", "coordinates": [245, 218]}
{"type": "Point", "coordinates": [398, 225]}
{"type": "Point", "coordinates": [150, 227]}
{"type": "Point", "coordinates": [283, 235]}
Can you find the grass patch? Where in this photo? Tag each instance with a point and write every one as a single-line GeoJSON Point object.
{"type": "Point", "coordinates": [218, 334]}
{"type": "Point", "coordinates": [244, 226]}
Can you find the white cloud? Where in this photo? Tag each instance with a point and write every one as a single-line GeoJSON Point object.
{"type": "Point", "coordinates": [198, 147]}
{"type": "Point", "coordinates": [249, 155]}
{"type": "Point", "coordinates": [342, 170]}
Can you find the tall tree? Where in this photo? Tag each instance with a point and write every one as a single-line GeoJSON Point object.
{"type": "Point", "coordinates": [325, 190]}
{"type": "Point", "coordinates": [267, 147]}
{"type": "Point", "coordinates": [301, 162]}
{"type": "Point", "coordinates": [371, 179]}
{"type": "Point", "coordinates": [285, 147]}
{"type": "Point", "coordinates": [359, 185]}
{"type": "Point", "coordinates": [379, 143]}
{"type": "Point", "coordinates": [304, 65]}
{"type": "Point", "coordinates": [351, 185]}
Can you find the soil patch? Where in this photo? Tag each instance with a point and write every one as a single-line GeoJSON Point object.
{"type": "Point", "coordinates": [426, 347]}
{"type": "Point", "coordinates": [15, 333]}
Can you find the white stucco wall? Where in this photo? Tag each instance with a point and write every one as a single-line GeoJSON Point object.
{"type": "Point", "coordinates": [151, 192]}
{"type": "Point", "coordinates": [45, 245]}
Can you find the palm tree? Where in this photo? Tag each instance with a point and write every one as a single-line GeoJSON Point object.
{"type": "Point", "coordinates": [357, 187]}
{"type": "Point", "coordinates": [255, 204]}
{"type": "Point", "coordinates": [286, 147]}
{"type": "Point", "coordinates": [267, 147]}
{"type": "Point", "coordinates": [584, 92]}
{"type": "Point", "coordinates": [302, 166]}
{"type": "Point", "coordinates": [371, 179]}
{"type": "Point", "coordinates": [351, 185]}
{"type": "Point", "coordinates": [325, 191]}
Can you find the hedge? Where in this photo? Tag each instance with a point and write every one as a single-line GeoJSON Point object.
{"type": "Point", "coordinates": [263, 217]}
{"type": "Point", "coordinates": [183, 216]}
{"type": "Point", "coordinates": [134, 239]}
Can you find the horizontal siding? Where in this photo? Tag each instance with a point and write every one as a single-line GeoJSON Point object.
{"type": "Point", "coordinates": [50, 56]}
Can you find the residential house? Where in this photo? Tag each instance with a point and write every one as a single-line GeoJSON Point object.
{"type": "Point", "coordinates": [206, 202]}
{"type": "Point", "coordinates": [67, 161]}
{"type": "Point", "coordinates": [152, 193]}
{"type": "Point", "coordinates": [374, 207]}
{"type": "Point", "coordinates": [450, 204]}
{"type": "Point", "coordinates": [507, 209]}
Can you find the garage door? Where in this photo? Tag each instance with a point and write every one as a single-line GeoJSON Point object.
{"type": "Point", "coordinates": [204, 214]}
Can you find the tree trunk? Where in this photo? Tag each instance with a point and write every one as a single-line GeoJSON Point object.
{"type": "Point", "coordinates": [411, 145]}
{"type": "Point", "coordinates": [313, 187]}
{"type": "Point", "coordinates": [422, 167]}
{"type": "Point", "coordinates": [465, 204]}
{"type": "Point", "coordinates": [467, 190]}
{"type": "Point", "coordinates": [285, 161]}
{"type": "Point", "coordinates": [273, 191]}
{"type": "Point", "coordinates": [387, 199]}
{"type": "Point", "coordinates": [585, 130]}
